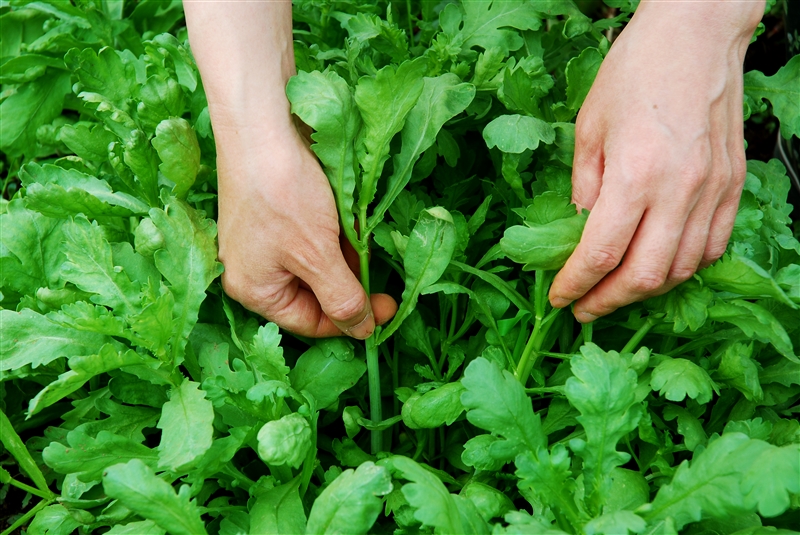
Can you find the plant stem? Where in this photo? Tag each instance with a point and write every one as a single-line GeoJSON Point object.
{"type": "Point", "coordinates": [375, 412]}
{"type": "Point", "coordinates": [27, 516]}
{"type": "Point", "coordinates": [28, 488]}
{"type": "Point", "coordinates": [371, 343]}
{"type": "Point", "coordinates": [638, 335]}
{"type": "Point", "coordinates": [586, 330]}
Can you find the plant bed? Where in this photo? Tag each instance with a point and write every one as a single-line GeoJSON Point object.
{"type": "Point", "coordinates": [138, 398]}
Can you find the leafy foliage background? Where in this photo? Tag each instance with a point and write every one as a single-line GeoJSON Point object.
{"type": "Point", "coordinates": [149, 402]}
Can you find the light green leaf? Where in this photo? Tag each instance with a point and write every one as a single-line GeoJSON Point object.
{"type": "Point", "coordinates": [495, 401]}
{"type": "Point", "coordinates": [88, 457]}
{"type": "Point", "coordinates": [616, 523]}
{"type": "Point", "coordinates": [102, 72]}
{"type": "Point", "coordinates": [139, 155]}
{"type": "Point", "coordinates": [32, 339]}
{"type": "Point", "coordinates": [279, 511]}
{"type": "Point", "coordinates": [490, 502]}
{"type": "Point", "coordinates": [325, 103]}
{"type": "Point", "coordinates": [629, 489]}
{"type": "Point", "coordinates": [428, 253]}
{"type": "Point", "coordinates": [81, 370]}
{"type": "Point", "coordinates": [27, 67]}
{"type": "Point", "coordinates": [384, 101]}
{"type": "Point", "coordinates": [739, 275]}
{"type": "Point", "coordinates": [547, 246]}
{"type": "Point", "coordinates": [442, 98]}
{"type": "Point", "coordinates": [32, 105]}
{"type": "Point", "coordinates": [266, 354]}
{"type": "Point", "coordinates": [782, 91]}
{"type": "Point", "coordinates": [161, 98]}
{"type": "Point", "coordinates": [755, 322]}
{"type": "Point", "coordinates": [285, 441]}
{"type": "Point", "coordinates": [188, 261]}
{"type": "Point", "coordinates": [351, 503]}
{"type": "Point", "coordinates": [686, 305]}
{"type": "Point", "coordinates": [688, 425]}
{"type": "Point", "coordinates": [88, 140]}
{"type": "Point", "coordinates": [433, 504]}
{"type": "Point", "coordinates": [176, 144]}
{"type": "Point", "coordinates": [58, 192]}
{"type": "Point", "coordinates": [91, 268]}
{"type": "Point", "coordinates": [581, 72]}
{"type": "Point", "coordinates": [734, 475]}
{"type": "Point", "coordinates": [145, 527]}
{"type": "Point", "coordinates": [547, 475]}
{"type": "Point", "coordinates": [136, 486]}
{"type": "Point", "coordinates": [517, 133]}
{"type": "Point", "coordinates": [677, 378]}
{"type": "Point", "coordinates": [738, 369]}
{"type": "Point", "coordinates": [603, 389]}
{"type": "Point", "coordinates": [53, 520]}
{"type": "Point", "coordinates": [325, 376]}
{"type": "Point", "coordinates": [477, 453]}
{"type": "Point", "coordinates": [486, 23]}
{"type": "Point", "coordinates": [31, 255]}
{"type": "Point", "coordinates": [186, 422]}
{"type": "Point", "coordinates": [434, 408]}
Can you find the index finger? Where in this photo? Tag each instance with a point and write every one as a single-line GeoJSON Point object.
{"type": "Point", "coordinates": [609, 230]}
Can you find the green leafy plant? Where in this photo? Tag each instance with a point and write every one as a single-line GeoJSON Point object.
{"type": "Point", "coordinates": [137, 398]}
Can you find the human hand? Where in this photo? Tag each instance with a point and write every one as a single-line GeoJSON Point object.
{"type": "Point", "coordinates": [278, 227]}
{"type": "Point", "coordinates": [659, 155]}
{"type": "Point", "coordinates": [280, 242]}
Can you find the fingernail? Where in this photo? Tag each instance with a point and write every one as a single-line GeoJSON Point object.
{"type": "Point", "coordinates": [364, 329]}
{"type": "Point", "coordinates": [559, 302]}
{"type": "Point", "coordinates": [585, 317]}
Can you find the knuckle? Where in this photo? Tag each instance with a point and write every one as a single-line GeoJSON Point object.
{"type": "Point", "coordinates": [680, 274]}
{"type": "Point", "coordinates": [645, 282]}
{"type": "Point", "coordinates": [349, 309]}
{"type": "Point", "coordinates": [603, 259]}
{"type": "Point", "coordinates": [714, 252]}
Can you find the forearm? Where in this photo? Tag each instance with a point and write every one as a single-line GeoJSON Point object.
{"type": "Point", "coordinates": [245, 56]}
{"type": "Point", "coordinates": [710, 21]}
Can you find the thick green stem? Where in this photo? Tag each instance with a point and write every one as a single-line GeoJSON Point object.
{"type": "Point", "coordinates": [375, 412]}
{"type": "Point", "coordinates": [638, 335]}
{"type": "Point", "coordinates": [373, 363]}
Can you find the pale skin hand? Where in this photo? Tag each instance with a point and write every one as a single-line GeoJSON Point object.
{"type": "Point", "coordinates": [278, 225]}
{"type": "Point", "coordinates": [659, 156]}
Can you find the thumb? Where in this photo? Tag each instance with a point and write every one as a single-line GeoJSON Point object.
{"type": "Point", "coordinates": [341, 296]}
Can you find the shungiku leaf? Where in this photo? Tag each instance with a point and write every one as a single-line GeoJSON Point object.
{"type": "Point", "coordinates": [496, 401]}
{"type": "Point", "coordinates": [428, 253]}
{"type": "Point", "coordinates": [603, 390]}
{"type": "Point", "coordinates": [351, 503]}
{"type": "Point", "coordinates": [186, 421]}
{"type": "Point", "coordinates": [136, 486]}
{"type": "Point", "coordinates": [678, 378]}
{"type": "Point", "coordinates": [285, 441]}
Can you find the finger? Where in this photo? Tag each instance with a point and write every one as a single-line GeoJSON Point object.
{"type": "Point", "coordinates": [644, 270]}
{"type": "Point", "coordinates": [587, 165]}
{"type": "Point", "coordinates": [605, 239]}
{"type": "Point", "coordinates": [690, 249]}
{"type": "Point", "coordinates": [340, 294]}
{"type": "Point", "coordinates": [302, 314]}
{"type": "Point", "coordinates": [720, 231]}
{"type": "Point", "coordinates": [384, 307]}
